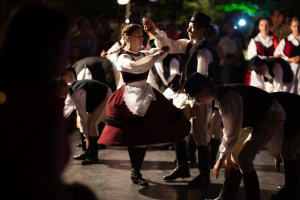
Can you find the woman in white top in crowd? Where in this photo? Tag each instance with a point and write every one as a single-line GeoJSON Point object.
{"type": "Point", "coordinates": [263, 46]}
{"type": "Point", "coordinates": [289, 49]}
{"type": "Point", "coordinates": [230, 53]}
{"type": "Point", "coordinates": [138, 114]}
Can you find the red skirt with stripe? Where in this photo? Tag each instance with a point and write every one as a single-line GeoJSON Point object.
{"type": "Point", "coordinates": [163, 122]}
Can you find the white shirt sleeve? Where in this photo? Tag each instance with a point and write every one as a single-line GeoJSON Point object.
{"type": "Point", "coordinates": [280, 50]}
{"type": "Point", "coordinates": [84, 74]}
{"type": "Point", "coordinates": [79, 97]}
{"type": "Point", "coordinates": [257, 80]}
{"type": "Point", "coordinates": [204, 59]}
{"type": "Point", "coordinates": [176, 46]}
{"type": "Point", "coordinates": [231, 110]}
{"type": "Point", "coordinates": [174, 66]}
{"type": "Point", "coordinates": [278, 78]}
{"type": "Point", "coordinates": [126, 64]}
{"type": "Point", "coordinates": [275, 146]}
{"type": "Point", "coordinates": [69, 106]}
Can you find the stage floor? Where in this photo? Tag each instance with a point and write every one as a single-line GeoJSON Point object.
{"type": "Point", "coordinates": [110, 178]}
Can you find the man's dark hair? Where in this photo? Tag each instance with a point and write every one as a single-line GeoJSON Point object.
{"type": "Point", "coordinates": [120, 16]}
{"type": "Point", "coordinates": [104, 16]}
{"type": "Point", "coordinates": [272, 12]}
{"type": "Point", "coordinates": [201, 26]}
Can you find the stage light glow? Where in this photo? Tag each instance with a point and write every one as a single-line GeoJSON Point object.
{"type": "Point", "coordinates": [123, 2]}
{"type": "Point", "coordinates": [235, 27]}
{"type": "Point", "coordinates": [242, 22]}
{"type": "Point", "coordinates": [127, 21]}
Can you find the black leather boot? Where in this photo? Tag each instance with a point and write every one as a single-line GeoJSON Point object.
{"type": "Point", "coordinates": [231, 185]}
{"type": "Point", "coordinates": [182, 169]}
{"type": "Point", "coordinates": [93, 152]}
{"type": "Point", "coordinates": [191, 147]}
{"type": "Point", "coordinates": [251, 185]}
{"type": "Point", "coordinates": [85, 153]}
{"type": "Point", "coordinates": [214, 147]}
{"type": "Point", "coordinates": [203, 165]}
{"type": "Point", "coordinates": [291, 189]}
{"type": "Point", "coordinates": [138, 179]}
{"type": "Point", "coordinates": [101, 126]}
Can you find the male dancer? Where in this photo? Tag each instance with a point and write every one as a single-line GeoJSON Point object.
{"type": "Point", "coordinates": [240, 106]}
{"type": "Point", "coordinates": [197, 59]}
{"type": "Point", "coordinates": [95, 68]}
{"type": "Point", "coordinates": [89, 97]}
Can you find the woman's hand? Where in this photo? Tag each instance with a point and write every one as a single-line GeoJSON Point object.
{"type": "Point", "coordinates": [149, 26]}
{"type": "Point", "coordinates": [163, 50]}
{"type": "Point", "coordinates": [278, 56]}
{"type": "Point", "coordinates": [295, 59]}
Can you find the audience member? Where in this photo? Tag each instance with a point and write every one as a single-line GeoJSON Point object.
{"type": "Point", "coordinates": [230, 53]}
{"type": "Point", "coordinates": [86, 40]}
{"type": "Point", "coordinates": [120, 21]}
{"type": "Point", "coordinates": [75, 54]}
{"type": "Point", "coordinates": [135, 15]}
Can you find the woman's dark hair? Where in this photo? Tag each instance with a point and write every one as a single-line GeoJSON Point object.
{"type": "Point", "coordinates": [79, 21]}
{"type": "Point", "coordinates": [30, 51]}
{"type": "Point", "coordinates": [127, 31]}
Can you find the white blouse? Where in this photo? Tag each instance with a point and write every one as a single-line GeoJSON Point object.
{"type": "Point", "coordinates": [281, 46]}
{"type": "Point", "coordinates": [138, 95]}
{"type": "Point", "coordinates": [252, 49]}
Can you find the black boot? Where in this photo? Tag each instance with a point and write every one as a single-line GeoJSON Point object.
{"type": "Point", "coordinates": [137, 156]}
{"type": "Point", "coordinates": [214, 147]}
{"type": "Point", "coordinates": [191, 146]}
{"type": "Point", "coordinates": [231, 185]}
{"type": "Point", "coordinates": [203, 165]}
{"type": "Point", "coordinates": [85, 153]}
{"type": "Point", "coordinates": [291, 189]}
{"type": "Point", "coordinates": [101, 126]}
{"type": "Point", "coordinates": [182, 169]}
{"type": "Point", "coordinates": [251, 185]}
{"type": "Point", "coordinates": [93, 152]}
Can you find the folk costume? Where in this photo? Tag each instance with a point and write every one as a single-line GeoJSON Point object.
{"type": "Point", "coordinates": [289, 47]}
{"type": "Point", "coordinates": [197, 59]}
{"type": "Point", "coordinates": [279, 71]}
{"type": "Point", "coordinates": [89, 97]}
{"type": "Point", "coordinates": [95, 68]}
{"type": "Point", "coordinates": [286, 142]}
{"type": "Point", "coordinates": [240, 107]}
{"type": "Point", "coordinates": [137, 114]}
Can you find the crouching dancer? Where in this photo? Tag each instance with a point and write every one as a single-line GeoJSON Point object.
{"type": "Point", "coordinates": [89, 97]}
{"type": "Point", "coordinates": [240, 107]}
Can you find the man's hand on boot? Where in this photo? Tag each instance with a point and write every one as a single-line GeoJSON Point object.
{"type": "Point", "coordinates": [217, 167]}
{"type": "Point", "coordinates": [228, 165]}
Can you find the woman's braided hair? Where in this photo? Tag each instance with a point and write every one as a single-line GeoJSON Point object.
{"type": "Point", "coordinates": [127, 31]}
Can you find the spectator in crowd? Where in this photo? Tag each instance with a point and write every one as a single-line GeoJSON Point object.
{"type": "Point", "coordinates": [32, 126]}
{"type": "Point", "coordinates": [105, 23]}
{"type": "Point", "coordinates": [75, 54]}
{"type": "Point", "coordinates": [184, 34]}
{"type": "Point", "coordinates": [135, 15]}
{"type": "Point", "coordinates": [172, 32]}
{"type": "Point", "coordinates": [230, 53]}
{"type": "Point", "coordinates": [120, 21]}
{"type": "Point", "coordinates": [276, 19]}
{"type": "Point", "coordinates": [86, 40]}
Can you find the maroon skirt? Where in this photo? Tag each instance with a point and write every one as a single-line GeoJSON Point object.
{"type": "Point", "coordinates": [162, 123]}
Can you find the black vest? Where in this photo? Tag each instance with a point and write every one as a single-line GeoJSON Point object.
{"type": "Point", "coordinates": [101, 70]}
{"type": "Point", "coordinates": [95, 92]}
{"type": "Point", "coordinates": [193, 63]}
{"type": "Point", "coordinates": [256, 102]}
{"type": "Point", "coordinates": [291, 106]}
